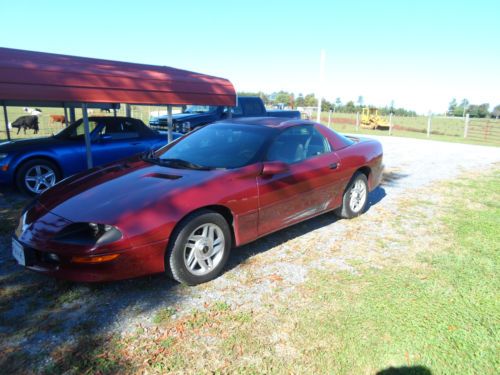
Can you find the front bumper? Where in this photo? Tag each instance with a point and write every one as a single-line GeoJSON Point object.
{"type": "Point", "coordinates": [37, 230]}
{"type": "Point", "coordinates": [134, 262]}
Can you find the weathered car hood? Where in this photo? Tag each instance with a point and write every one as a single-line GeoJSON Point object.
{"type": "Point", "coordinates": [108, 193]}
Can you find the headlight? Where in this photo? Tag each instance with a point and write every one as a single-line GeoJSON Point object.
{"type": "Point", "coordinates": [88, 234]}
{"type": "Point", "coordinates": [186, 126]}
{"type": "Point", "coordinates": [3, 156]}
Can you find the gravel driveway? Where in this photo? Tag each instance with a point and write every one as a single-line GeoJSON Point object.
{"type": "Point", "coordinates": [37, 313]}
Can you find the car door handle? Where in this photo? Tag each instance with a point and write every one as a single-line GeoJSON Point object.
{"type": "Point", "coordinates": [135, 143]}
{"type": "Point", "coordinates": [334, 165]}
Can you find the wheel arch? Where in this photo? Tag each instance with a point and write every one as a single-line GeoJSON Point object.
{"type": "Point", "coordinates": [367, 172]}
{"type": "Point", "coordinates": [51, 159]}
{"type": "Point", "coordinates": [224, 211]}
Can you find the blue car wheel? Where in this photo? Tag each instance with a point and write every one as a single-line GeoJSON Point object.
{"type": "Point", "coordinates": [37, 175]}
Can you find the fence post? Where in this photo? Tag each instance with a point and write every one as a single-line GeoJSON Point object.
{"type": "Point", "coordinates": [429, 121]}
{"type": "Point", "coordinates": [357, 121]}
{"type": "Point", "coordinates": [329, 117]}
{"type": "Point", "coordinates": [466, 127]}
{"type": "Point", "coordinates": [390, 123]}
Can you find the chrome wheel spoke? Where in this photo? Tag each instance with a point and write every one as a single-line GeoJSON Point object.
{"type": "Point", "coordinates": [204, 233]}
{"type": "Point", "coordinates": [191, 261]}
{"type": "Point", "coordinates": [203, 264]}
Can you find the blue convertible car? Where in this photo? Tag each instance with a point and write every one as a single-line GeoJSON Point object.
{"type": "Point", "coordinates": [34, 165]}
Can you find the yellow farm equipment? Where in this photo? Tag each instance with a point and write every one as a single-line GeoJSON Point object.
{"type": "Point", "coordinates": [370, 119]}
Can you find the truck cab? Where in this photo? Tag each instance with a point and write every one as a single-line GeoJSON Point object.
{"type": "Point", "coordinates": [194, 116]}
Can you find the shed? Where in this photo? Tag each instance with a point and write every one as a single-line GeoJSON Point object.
{"type": "Point", "coordinates": [28, 77]}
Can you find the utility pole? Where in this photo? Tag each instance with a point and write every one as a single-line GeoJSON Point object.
{"type": "Point", "coordinates": [320, 86]}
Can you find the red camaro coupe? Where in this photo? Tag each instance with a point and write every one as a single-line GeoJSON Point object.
{"type": "Point", "coordinates": [181, 209]}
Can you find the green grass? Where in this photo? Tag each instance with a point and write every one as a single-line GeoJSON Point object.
{"type": "Point", "coordinates": [163, 315]}
{"type": "Point", "coordinates": [440, 313]}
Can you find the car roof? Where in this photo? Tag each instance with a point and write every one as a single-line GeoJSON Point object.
{"type": "Point", "coordinates": [271, 122]}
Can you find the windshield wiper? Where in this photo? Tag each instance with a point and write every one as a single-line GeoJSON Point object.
{"type": "Point", "coordinates": [177, 163]}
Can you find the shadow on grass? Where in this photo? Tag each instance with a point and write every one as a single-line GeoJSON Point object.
{"type": "Point", "coordinates": [410, 370]}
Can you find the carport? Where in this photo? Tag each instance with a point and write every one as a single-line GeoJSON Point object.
{"type": "Point", "coordinates": [46, 79]}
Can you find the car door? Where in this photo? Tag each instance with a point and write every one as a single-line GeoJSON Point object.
{"type": "Point", "coordinates": [117, 139]}
{"type": "Point", "coordinates": [309, 185]}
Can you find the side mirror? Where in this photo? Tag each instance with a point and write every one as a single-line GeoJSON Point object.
{"type": "Point", "coordinates": [272, 168]}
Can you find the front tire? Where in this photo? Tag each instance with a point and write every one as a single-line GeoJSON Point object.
{"type": "Point", "coordinates": [37, 175]}
{"type": "Point", "coordinates": [355, 197]}
{"type": "Point", "coordinates": [199, 248]}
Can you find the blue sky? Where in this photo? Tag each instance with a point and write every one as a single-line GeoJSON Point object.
{"type": "Point", "coordinates": [418, 53]}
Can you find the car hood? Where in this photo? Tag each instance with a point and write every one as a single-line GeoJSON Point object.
{"type": "Point", "coordinates": [111, 193]}
{"type": "Point", "coordinates": [23, 144]}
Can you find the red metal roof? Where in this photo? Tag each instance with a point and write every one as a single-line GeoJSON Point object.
{"type": "Point", "coordinates": [39, 76]}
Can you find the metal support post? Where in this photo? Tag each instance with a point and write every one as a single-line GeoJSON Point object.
{"type": "Point", "coordinates": [86, 129]}
{"type": "Point", "coordinates": [170, 123]}
{"type": "Point", "coordinates": [6, 117]}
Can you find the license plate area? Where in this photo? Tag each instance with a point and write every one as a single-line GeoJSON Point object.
{"type": "Point", "coordinates": [18, 252]}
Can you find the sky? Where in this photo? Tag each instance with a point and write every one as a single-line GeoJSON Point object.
{"type": "Point", "coordinates": [420, 54]}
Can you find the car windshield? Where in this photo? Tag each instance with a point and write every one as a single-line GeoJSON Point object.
{"type": "Point", "coordinates": [200, 109]}
{"type": "Point", "coordinates": [217, 146]}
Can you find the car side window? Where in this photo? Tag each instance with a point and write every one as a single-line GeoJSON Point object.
{"type": "Point", "coordinates": [79, 131]}
{"type": "Point", "coordinates": [119, 129]}
{"type": "Point", "coordinates": [298, 143]}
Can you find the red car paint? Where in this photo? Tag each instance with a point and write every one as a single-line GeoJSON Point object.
{"type": "Point", "coordinates": [146, 201]}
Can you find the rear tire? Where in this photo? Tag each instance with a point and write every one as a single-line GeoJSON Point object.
{"type": "Point", "coordinates": [355, 197]}
{"type": "Point", "coordinates": [37, 175]}
{"type": "Point", "coordinates": [199, 248]}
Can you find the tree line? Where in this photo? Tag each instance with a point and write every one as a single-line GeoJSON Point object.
{"type": "Point", "coordinates": [474, 110]}
{"type": "Point", "coordinates": [288, 99]}
{"type": "Point", "coordinates": [284, 98]}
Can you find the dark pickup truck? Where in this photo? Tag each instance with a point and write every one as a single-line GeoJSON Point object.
{"type": "Point", "coordinates": [198, 115]}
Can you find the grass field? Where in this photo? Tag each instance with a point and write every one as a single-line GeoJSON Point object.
{"type": "Point", "coordinates": [480, 131]}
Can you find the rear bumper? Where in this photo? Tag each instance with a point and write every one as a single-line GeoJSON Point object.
{"type": "Point", "coordinates": [133, 262]}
